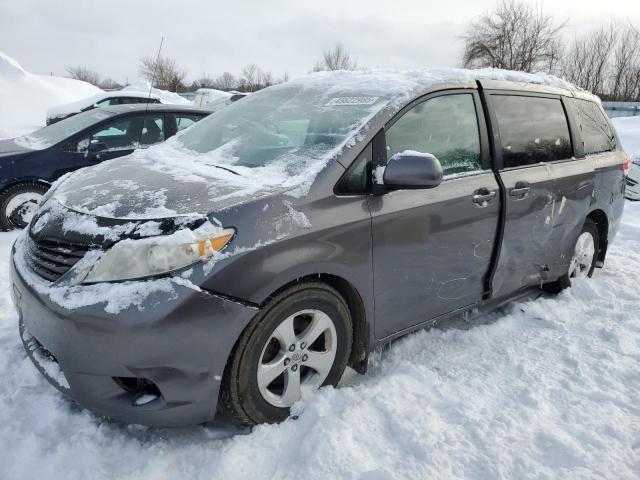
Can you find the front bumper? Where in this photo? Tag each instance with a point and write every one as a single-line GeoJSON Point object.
{"type": "Point", "coordinates": [181, 344]}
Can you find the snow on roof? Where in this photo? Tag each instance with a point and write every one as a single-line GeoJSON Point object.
{"type": "Point", "coordinates": [137, 90]}
{"type": "Point", "coordinates": [402, 84]}
{"type": "Point", "coordinates": [164, 95]}
{"type": "Point", "coordinates": [78, 106]}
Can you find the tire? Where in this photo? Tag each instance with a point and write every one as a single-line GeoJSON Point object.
{"type": "Point", "coordinates": [18, 203]}
{"type": "Point", "coordinates": [579, 267]}
{"type": "Point", "coordinates": [261, 345]}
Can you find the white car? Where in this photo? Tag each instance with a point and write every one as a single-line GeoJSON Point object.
{"type": "Point", "coordinates": [212, 99]}
{"type": "Point", "coordinates": [104, 99]}
{"type": "Point", "coordinates": [633, 179]}
{"type": "Point", "coordinates": [628, 129]}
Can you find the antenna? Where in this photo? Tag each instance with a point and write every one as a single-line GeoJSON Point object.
{"type": "Point", "coordinates": [153, 80]}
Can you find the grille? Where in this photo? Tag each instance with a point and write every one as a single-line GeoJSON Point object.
{"type": "Point", "coordinates": [51, 259]}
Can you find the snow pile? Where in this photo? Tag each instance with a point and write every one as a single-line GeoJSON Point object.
{"type": "Point", "coordinates": [628, 129]}
{"type": "Point", "coordinates": [542, 389]}
{"type": "Point", "coordinates": [25, 97]}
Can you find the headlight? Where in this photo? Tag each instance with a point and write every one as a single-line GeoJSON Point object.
{"type": "Point", "coordinates": [132, 259]}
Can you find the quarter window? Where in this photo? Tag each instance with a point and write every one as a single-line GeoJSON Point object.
{"type": "Point", "coordinates": [597, 134]}
{"type": "Point", "coordinates": [446, 127]}
{"type": "Point", "coordinates": [532, 129]}
{"type": "Point", "coordinates": [184, 121]}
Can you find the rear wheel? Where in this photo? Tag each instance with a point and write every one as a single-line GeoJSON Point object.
{"type": "Point", "coordinates": [583, 261]}
{"type": "Point", "coordinates": [18, 204]}
{"type": "Point", "coordinates": [300, 342]}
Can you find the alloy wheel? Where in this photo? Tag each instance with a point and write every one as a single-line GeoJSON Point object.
{"type": "Point", "coordinates": [297, 357]}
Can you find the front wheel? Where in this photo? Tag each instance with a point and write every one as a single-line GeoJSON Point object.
{"type": "Point", "coordinates": [583, 261]}
{"type": "Point", "coordinates": [18, 204]}
{"type": "Point", "coordinates": [300, 342]}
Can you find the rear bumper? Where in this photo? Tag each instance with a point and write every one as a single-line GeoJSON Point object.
{"type": "Point", "coordinates": [179, 342]}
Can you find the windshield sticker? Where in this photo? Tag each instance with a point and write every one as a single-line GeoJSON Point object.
{"type": "Point", "coordinates": [352, 101]}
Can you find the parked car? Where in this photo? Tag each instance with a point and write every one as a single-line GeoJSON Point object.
{"type": "Point", "coordinates": [633, 180]}
{"type": "Point", "coordinates": [104, 99]}
{"type": "Point", "coordinates": [29, 164]}
{"type": "Point", "coordinates": [252, 258]}
{"type": "Point", "coordinates": [213, 99]}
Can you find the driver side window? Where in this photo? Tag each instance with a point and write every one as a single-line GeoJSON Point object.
{"type": "Point", "coordinates": [444, 126]}
{"type": "Point", "coordinates": [127, 133]}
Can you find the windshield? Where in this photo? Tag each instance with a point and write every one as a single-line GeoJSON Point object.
{"type": "Point", "coordinates": [294, 124]}
{"type": "Point", "coordinates": [56, 133]}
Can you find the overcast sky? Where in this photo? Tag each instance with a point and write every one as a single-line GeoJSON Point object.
{"type": "Point", "coordinates": [278, 35]}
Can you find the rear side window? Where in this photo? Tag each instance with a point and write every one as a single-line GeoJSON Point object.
{"type": "Point", "coordinates": [185, 121]}
{"type": "Point", "coordinates": [597, 135]}
{"type": "Point", "coordinates": [445, 126]}
{"type": "Point", "coordinates": [532, 130]}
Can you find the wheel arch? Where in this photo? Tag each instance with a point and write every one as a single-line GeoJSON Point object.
{"type": "Point", "coordinates": [22, 180]}
{"type": "Point", "coordinates": [355, 303]}
{"type": "Point", "coordinates": [601, 220]}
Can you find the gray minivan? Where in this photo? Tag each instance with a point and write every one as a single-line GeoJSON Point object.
{"type": "Point", "coordinates": [253, 257]}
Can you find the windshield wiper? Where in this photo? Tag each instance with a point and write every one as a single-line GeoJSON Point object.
{"type": "Point", "coordinates": [224, 168]}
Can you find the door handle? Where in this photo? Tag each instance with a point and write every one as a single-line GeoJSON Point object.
{"type": "Point", "coordinates": [483, 196]}
{"type": "Point", "coordinates": [520, 190]}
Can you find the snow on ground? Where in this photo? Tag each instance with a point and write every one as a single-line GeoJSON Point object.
{"type": "Point", "coordinates": [541, 389]}
{"type": "Point", "coordinates": [628, 129]}
{"type": "Point", "coordinates": [25, 97]}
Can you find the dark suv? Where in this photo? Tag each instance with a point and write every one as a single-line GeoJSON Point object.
{"type": "Point", "coordinates": [29, 164]}
{"type": "Point", "coordinates": [255, 256]}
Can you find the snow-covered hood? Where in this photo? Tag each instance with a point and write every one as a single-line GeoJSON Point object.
{"type": "Point", "coordinates": [166, 182]}
{"type": "Point", "coordinates": [9, 147]}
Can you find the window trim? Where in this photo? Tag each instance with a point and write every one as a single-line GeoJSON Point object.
{"type": "Point", "coordinates": [575, 112]}
{"type": "Point", "coordinates": [379, 143]}
{"type": "Point", "coordinates": [485, 156]}
{"type": "Point", "coordinates": [498, 161]}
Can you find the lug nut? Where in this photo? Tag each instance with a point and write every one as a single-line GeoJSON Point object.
{"type": "Point", "coordinates": [305, 357]}
{"type": "Point", "coordinates": [286, 362]}
{"type": "Point", "coordinates": [294, 368]}
{"type": "Point", "coordinates": [292, 348]}
{"type": "Point", "coordinates": [303, 345]}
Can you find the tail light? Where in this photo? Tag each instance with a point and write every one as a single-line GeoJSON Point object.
{"type": "Point", "coordinates": [626, 166]}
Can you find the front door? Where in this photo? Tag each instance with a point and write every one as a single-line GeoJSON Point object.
{"type": "Point", "coordinates": [432, 248]}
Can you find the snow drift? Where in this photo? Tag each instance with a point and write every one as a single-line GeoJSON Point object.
{"type": "Point", "coordinates": [542, 389]}
{"type": "Point", "coordinates": [25, 97]}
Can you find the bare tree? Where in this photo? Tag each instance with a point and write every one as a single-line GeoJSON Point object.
{"type": "Point", "coordinates": [205, 81]}
{"type": "Point", "coordinates": [284, 78]}
{"type": "Point", "coordinates": [587, 61]}
{"type": "Point", "coordinates": [625, 70]}
{"type": "Point", "coordinates": [266, 79]}
{"type": "Point", "coordinates": [226, 82]}
{"type": "Point", "coordinates": [85, 74]}
{"type": "Point", "coordinates": [110, 84]}
{"type": "Point", "coordinates": [162, 73]}
{"type": "Point", "coordinates": [250, 79]}
{"type": "Point", "coordinates": [514, 36]}
{"type": "Point", "coordinates": [335, 59]}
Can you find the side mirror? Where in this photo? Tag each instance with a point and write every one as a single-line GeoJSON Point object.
{"type": "Point", "coordinates": [412, 170]}
{"type": "Point", "coordinates": [96, 147]}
